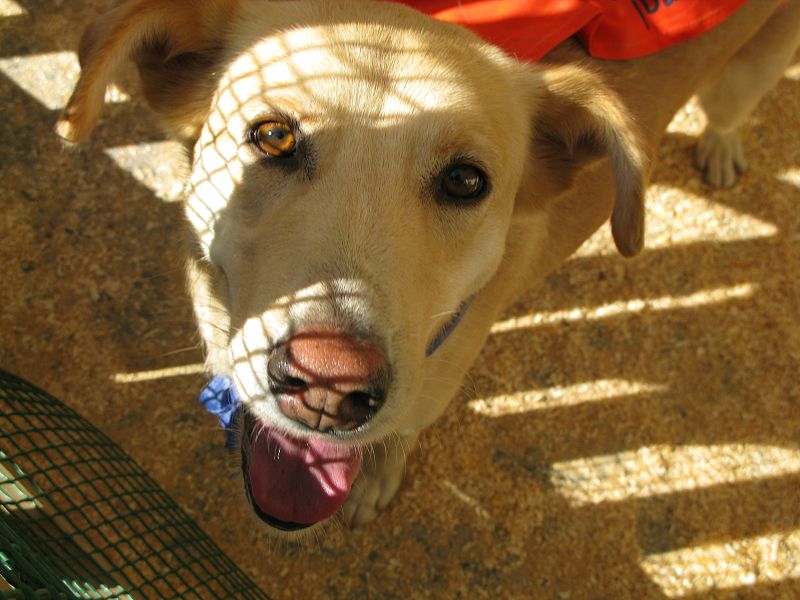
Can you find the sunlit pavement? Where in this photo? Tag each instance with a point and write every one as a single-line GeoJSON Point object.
{"type": "Point", "coordinates": [630, 431]}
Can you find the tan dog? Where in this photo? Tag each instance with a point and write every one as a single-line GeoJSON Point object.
{"type": "Point", "coordinates": [371, 187]}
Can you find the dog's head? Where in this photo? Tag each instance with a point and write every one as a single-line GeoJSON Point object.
{"type": "Point", "coordinates": [356, 169]}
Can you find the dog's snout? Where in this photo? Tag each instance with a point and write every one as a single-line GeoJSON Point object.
{"type": "Point", "coordinates": [328, 380]}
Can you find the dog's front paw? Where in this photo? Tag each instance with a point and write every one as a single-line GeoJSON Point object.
{"type": "Point", "coordinates": [380, 478]}
{"type": "Point", "coordinates": [720, 157]}
{"type": "Point", "coordinates": [371, 493]}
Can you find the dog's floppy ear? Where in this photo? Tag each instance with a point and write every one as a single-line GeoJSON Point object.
{"type": "Point", "coordinates": [170, 40]}
{"type": "Point", "coordinates": [577, 120]}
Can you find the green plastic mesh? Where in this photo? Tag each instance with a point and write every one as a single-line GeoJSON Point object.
{"type": "Point", "coordinates": [79, 518]}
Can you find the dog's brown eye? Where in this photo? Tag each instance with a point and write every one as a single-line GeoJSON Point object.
{"type": "Point", "coordinates": [274, 138]}
{"type": "Point", "coordinates": [463, 182]}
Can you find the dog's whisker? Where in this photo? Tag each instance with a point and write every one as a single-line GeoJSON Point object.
{"type": "Point", "coordinates": [180, 351]}
{"type": "Point", "coordinates": [447, 313]}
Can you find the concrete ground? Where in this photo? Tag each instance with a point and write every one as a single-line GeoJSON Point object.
{"type": "Point", "coordinates": [631, 430]}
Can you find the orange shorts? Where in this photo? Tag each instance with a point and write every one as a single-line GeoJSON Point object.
{"type": "Point", "coordinates": [612, 29]}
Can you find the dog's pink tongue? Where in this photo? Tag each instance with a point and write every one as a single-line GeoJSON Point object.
{"type": "Point", "coordinates": [300, 480]}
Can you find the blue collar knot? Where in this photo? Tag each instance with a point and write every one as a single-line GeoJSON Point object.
{"type": "Point", "coordinates": [220, 398]}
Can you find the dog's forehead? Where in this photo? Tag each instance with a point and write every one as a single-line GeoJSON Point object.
{"type": "Point", "coordinates": [363, 70]}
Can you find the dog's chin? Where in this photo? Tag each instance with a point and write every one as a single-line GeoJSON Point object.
{"type": "Point", "coordinates": [294, 484]}
{"type": "Point", "coordinates": [275, 524]}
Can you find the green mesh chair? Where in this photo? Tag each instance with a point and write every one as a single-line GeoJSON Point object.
{"type": "Point", "coordinates": [80, 519]}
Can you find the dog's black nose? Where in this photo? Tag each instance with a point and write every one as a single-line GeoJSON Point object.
{"type": "Point", "coordinates": [328, 380]}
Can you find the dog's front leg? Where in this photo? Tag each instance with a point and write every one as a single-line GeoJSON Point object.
{"type": "Point", "coordinates": [380, 477]}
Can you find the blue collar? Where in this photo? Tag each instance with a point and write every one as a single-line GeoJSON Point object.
{"type": "Point", "coordinates": [219, 397]}
{"type": "Point", "coordinates": [448, 328]}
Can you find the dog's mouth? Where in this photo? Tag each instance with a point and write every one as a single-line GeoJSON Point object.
{"type": "Point", "coordinates": [293, 483]}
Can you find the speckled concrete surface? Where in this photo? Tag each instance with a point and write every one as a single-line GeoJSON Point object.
{"type": "Point", "coordinates": [631, 430]}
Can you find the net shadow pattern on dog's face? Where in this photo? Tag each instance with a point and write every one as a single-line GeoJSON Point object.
{"type": "Point", "coordinates": [259, 274]}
